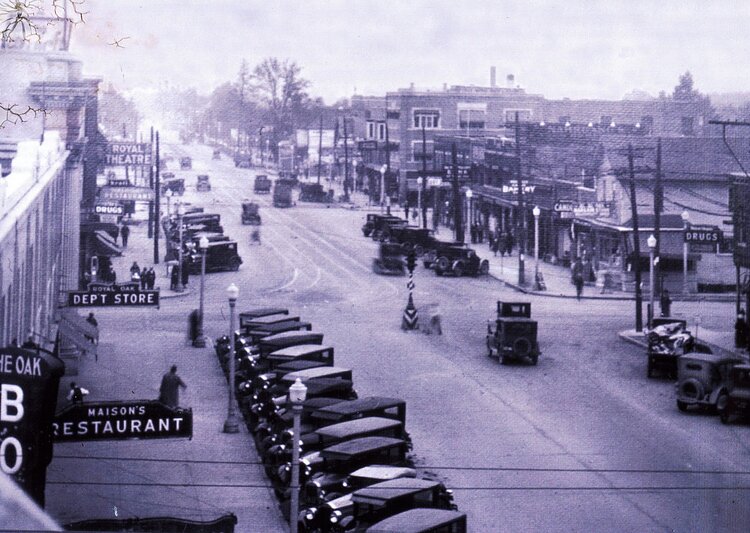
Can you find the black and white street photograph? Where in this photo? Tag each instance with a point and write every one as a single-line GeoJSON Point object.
{"type": "Point", "coordinates": [399, 266]}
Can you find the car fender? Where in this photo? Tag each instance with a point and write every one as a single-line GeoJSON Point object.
{"type": "Point", "coordinates": [714, 396]}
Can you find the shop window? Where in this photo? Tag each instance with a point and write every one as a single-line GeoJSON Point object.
{"type": "Point", "coordinates": [420, 152]}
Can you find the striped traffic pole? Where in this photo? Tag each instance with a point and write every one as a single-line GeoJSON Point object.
{"type": "Point", "coordinates": [409, 320]}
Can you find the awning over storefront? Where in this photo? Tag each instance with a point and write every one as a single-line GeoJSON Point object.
{"type": "Point", "coordinates": [107, 227]}
{"type": "Point", "coordinates": [105, 245]}
{"type": "Point", "coordinates": [77, 331]}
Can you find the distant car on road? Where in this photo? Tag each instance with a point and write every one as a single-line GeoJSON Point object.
{"type": "Point", "coordinates": [242, 160]}
{"type": "Point", "coordinates": [203, 183]}
{"type": "Point", "coordinates": [262, 184]}
{"type": "Point", "coordinates": [186, 163]}
{"type": "Point", "coordinates": [514, 335]}
{"type": "Point", "coordinates": [250, 214]}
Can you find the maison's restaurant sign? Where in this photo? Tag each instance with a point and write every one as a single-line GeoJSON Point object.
{"type": "Point", "coordinates": [144, 419]}
{"type": "Point", "coordinates": [126, 295]}
{"type": "Point", "coordinates": [28, 395]}
{"type": "Point", "coordinates": [128, 153]}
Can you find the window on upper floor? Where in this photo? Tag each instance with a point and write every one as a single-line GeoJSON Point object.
{"type": "Point", "coordinates": [370, 129]}
{"type": "Point", "coordinates": [471, 119]}
{"type": "Point", "coordinates": [419, 152]}
{"type": "Point", "coordinates": [524, 115]}
{"type": "Point", "coordinates": [381, 131]}
{"type": "Point", "coordinates": [427, 118]}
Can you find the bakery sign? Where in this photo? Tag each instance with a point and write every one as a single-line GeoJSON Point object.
{"type": "Point", "coordinates": [115, 420]}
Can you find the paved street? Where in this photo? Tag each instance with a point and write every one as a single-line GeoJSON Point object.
{"type": "Point", "coordinates": [582, 442]}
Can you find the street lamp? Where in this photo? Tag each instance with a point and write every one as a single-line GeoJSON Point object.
{"type": "Point", "coordinates": [419, 197]}
{"type": "Point", "coordinates": [168, 194]}
{"type": "Point", "coordinates": [651, 241]}
{"type": "Point", "coordinates": [536, 211]}
{"type": "Point", "coordinates": [180, 213]}
{"type": "Point", "coordinates": [199, 341]}
{"type": "Point", "coordinates": [383, 170]}
{"type": "Point", "coordinates": [469, 196]}
{"type": "Point", "coordinates": [297, 395]}
{"type": "Point", "coordinates": [685, 225]}
{"type": "Point", "coordinates": [232, 424]}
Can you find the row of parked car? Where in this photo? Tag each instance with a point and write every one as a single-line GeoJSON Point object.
{"type": "Point", "coordinates": [221, 253]}
{"type": "Point", "coordinates": [713, 382]}
{"type": "Point", "coordinates": [355, 469]}
{"type": "Point", "coordinates": [398, 239]}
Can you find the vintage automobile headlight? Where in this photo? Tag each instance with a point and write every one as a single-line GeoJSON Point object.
{"type": "Point", "coordinates": [335, 516]}
{"type": "Point", "coordinates": [345, 484]}
{"type": "Point", "coordinates": [308, 470]}
{"type": "Point", "coordinates": [310, 514]}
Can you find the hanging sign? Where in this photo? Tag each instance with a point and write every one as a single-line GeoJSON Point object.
{"type": "Point", "coordinates": [703, 235]}
{"type": "Point", "coordinates": [144, 419]}
{"type": "Point", "coordinates": [125, 295]}
{"type": "Point", "coordinates": [128, 154]}
{"type": "Point", "coordinates": [126, 193]}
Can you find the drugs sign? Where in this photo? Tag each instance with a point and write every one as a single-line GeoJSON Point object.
{"type": "Point", "coordinates": [145, 419]}
{"type": "Point", "coordinates": [128, 154]}
{"type": "Point", "coordinates": [29, 382]}
{"type": "Point", "coordinates": [703, 235]}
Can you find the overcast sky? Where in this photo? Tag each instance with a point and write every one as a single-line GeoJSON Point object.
{"type": "Point", "coordinates": [573, 48]}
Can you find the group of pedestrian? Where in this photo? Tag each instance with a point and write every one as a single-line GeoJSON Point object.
{"type": "Point", "coordinates": [145, 277]}
{"type": "Point", "coordinates": [502, 242]}
{"type": "Point", "coordinates": [477, 233]}
{"type": "Point", "coordinates": [174, 277]}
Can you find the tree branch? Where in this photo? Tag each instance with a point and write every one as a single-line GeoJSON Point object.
{"type": "Point", "coordinates": [15, 113]}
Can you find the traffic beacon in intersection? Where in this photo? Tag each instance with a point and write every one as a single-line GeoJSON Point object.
{"type": "Point", "coordinates": [297, 396]}
{"type": "Point", "coordinates": [409, 320]}
{"type": "Point", "coordinates": [232, 423]}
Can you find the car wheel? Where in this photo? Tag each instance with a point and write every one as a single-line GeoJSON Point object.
{"type": "Point", "coordinates": [534, 359]}
{"type": "Point", "coordinates": [441, 265]}
{"type": "Point", "coordinates": [418, 250]}
{"type": "Point", "coordinates": [724, 416]}
{"type": "Point", "coordinates": [484, 267]}
{"type": "Point", "coordinates": [522, 346]}
{"type": "Point", "coordinates": [722, 402]}
{"type": "Point", "coordinates": [459, 268]}
{"type": "Point", "coordinates": [235, 263]}
{"type": "Point", "coordinates": [682, 406]}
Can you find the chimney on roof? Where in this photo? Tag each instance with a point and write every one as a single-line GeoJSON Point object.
{"type": "Point", "coordinates": [511, 81]}
{"type": "Point", "coordinates": [411, 86]}
{"type": "Point", "coordinates": [493, 77]}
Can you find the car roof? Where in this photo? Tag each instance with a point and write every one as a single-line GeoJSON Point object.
{"type": "Point", "coordinates": [278, 327]}
{"type": "Point", "coordinates": [384, 472]}
{"type": "Point", "coordinates": [289, 335]}
{"type": "Point", "coordinates": [271, 319]}
{"type": "Point", "coordinates": [263, 311]}
{"type": "Point", "coordinates": [359, 425]}
{"type": "Point", "coordinates": [710, 357]}
{"type": "Point", "coordinates": [300, 350]}
{"type": "Point", "coordinates": [515, 319]}
{"type": "Point", "coordinates": [360, 445]}
{"type": "Point", "coordinates": [393, 488]}
{"type": "Point", "coordinates": [317, 372]}
{"type": "Point", "coordinates": [363, 404]}
{"type": "Point", "coordinates": [415, 521]}
{"type": "Point", "coordinates": [325, 385]}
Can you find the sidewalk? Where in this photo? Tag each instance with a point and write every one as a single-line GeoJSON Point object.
{"type": "Point", "coordinates": [203, 478]}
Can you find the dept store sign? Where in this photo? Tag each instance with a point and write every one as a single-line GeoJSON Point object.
{"type": "Point", "coordinates": [29, 383]}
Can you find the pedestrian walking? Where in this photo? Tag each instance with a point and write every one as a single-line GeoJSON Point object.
{"type": "Point", "coordinates": [151, 278]}
{"type": "Point", "coordinates": [665, 302]}
{"type": "Point", "coordinates": [174, 278]}
{"type": "Point", "coordinates": [125, 233]}
{"type": "Point", "coordinates": [577, 269]}
{"type": "Point", "coordinates": [473, 232]}
{"type": "Point", "coordinates": [193, 323]}
{"type": "Point", "coordinates": [169, 391]}
{"type": "Point", "coordinates": [406, 210]}
{"type": "Point", "coordinates": [741, 330]}
{"type": "Point", "coordinates": [509, 243]}
{"type": "Point", "coordinates": [76, 393]}
{"type": "Point", "coordinates": [144, 278]}
{"type": "Point", "coordinates": [185, 273]}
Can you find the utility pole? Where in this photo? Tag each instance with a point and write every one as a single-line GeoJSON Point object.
{"type": "Point", "coordinates": [636, 244]}
{"type": "Point", "coordinates": [346, 164]}
{"type": "Point", "coordinates": [457, 200]}
{"type": "Point", "coordinates": [320, 147]}
{"type": "Point", "coordinates": [658, 207]}
{"type": "Point", "coordinates": [521, 215]}
{"type": "Point", "coordinates": [151, 184]}
{"type": "Point", "coordinates": [424, 177]}
{"type": "Point", "coordinates": [157, 206]}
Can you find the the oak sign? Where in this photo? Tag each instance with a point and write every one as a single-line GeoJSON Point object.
{"type": "Point", "coordinates": [145, 419]}
{"type": "Point", "coordinates": [127, 295]}
{"type": "Point", "coordinates": [29, 382]}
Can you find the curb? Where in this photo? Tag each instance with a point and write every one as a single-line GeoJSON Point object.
{"type": "Point", "coordinates": [675, 298]}
{"type": "Point", "coordinates": [172, 294]}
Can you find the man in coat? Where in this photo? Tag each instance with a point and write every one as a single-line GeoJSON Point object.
{"type": "Point", "coordinates": [169, 391]}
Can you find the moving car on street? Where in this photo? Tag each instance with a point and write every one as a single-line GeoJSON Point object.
{"type": "Point", "coordinates": [460, 262]}
{"type": "Point", "coordinates": [203, 183]}
{"type": "Point", "coordinates": [250, 214]}
{"type": "Point", "coordinates": [514, 336]}
{"type": "Point", "coordinates": [186, 163]}
{"type": "Point", "coordinates": [390, 260]}
{"type": "Point", "coordinates": [262, 184]}
{"type": "Point", "coordinates": [375, 223]}
{"type": "Point", "coordinates": [313, 192]}
{"type": "Point", "coordinates": [242, 159]}
{"type": "Point", "coordinates": [282, 192]}
{"type": "Point", "coordinates": [170, 183]}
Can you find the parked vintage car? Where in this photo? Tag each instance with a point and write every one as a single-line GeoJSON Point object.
{"type": "Point", "coordinates": [422, 521]}
{"type": "Point", "coordinates": [514, 335]}
{"type": "Point", "coordinates": [221, 255]}
{"type": "Point", "coordinates": [186, 163]}
{"type": "Point", "coordinates": [461, 261]}
{"type": "Point", "coordinates": [243, 159]}
{"type": "Point", "coordinates": [667, 339]}
{"type": "Point", "coordinates": [702, 378]}
{"type": "Point", "coordinates": [250, 214]}
{"type": "Point", "coordinates": [412, 238]}
{"type": "Point", "coordinates": [375, 223]}
{"type": "Point", "coordinates": [203, 183]}
{"type": "Point", "coordinates": [736, 402]}
{"type": "Point", "coordinates": [390, 260]}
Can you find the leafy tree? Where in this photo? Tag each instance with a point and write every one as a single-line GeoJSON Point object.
{"type": "Point", "coordinates": [117, 114]}
{"type": "Point", "coordinates": [684, 90]}
{"type": "Point", "coordinates": [281, 92]}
